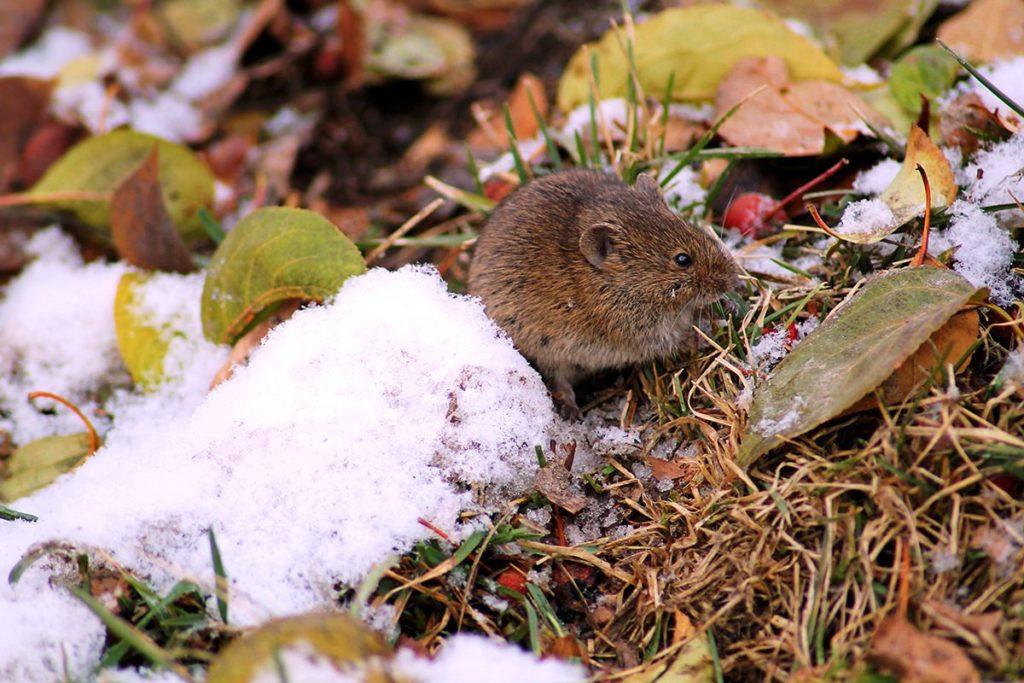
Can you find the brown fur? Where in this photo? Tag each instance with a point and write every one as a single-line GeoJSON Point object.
{"type": "Point", "coordinates": [579, 269]}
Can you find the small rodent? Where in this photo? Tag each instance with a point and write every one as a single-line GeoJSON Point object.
{"type": "Point", "coordinates": [584, 273]}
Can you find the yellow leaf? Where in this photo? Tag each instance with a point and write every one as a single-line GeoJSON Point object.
{"type": "Point", "coordinates": [349, 644]}
{"type": "Point", "coordinates": [905, 194]}
{"type": "Point", "coordinates": [698, 44]}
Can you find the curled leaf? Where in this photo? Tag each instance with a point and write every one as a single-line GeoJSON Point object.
{"type": "Point", "coordinates": [273, 254]}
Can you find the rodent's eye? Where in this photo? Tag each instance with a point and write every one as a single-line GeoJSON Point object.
{"type": "Point", "coordinates": [683, 260]}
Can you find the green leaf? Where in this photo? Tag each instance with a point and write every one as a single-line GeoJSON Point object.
{"type": "Point", "coordinates": [699, 45]}
{"type": "Point", "coordinates": [857, 347]}
{"type": "Point", "coordinates": [98, 165]}
{"type": "Point", "coordinates": [38, 463]}
{"type": "Point", "coordinates": [273, 254]}
{"type": "Point", "coordinates": [925, 70]}
{"type": "Point", "coordinates": [339, 637]}
{"type": "Point", "coordinates": [142, 343]}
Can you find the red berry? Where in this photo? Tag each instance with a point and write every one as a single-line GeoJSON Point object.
{"type": "Point", "coordinates": [513, 580]}
{"type": "Point", "coordinates": [748, 214]}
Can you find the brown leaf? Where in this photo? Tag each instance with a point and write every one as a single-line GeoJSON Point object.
{"type": "Point", "coordinates": [492, 132]}
{"type": "Point", "coordinates": [948, 344]}
{"type": "Point", "coordinates": [143, 232]}
{"type": "Point", "coordinates": [986, 30]}
{"type": "Point", "coordinates": [960, 119]}
{"type": "Point", "coordinates": [20, 17]}
{"type": "Point", "coordinates": [554, 482]}
{"type": "Point", "coordinates": [25, 102]}
{"type": "Point", "coordinates": [790, 118]}
{"type": "Point", "coordinates": [917, 657]}
{"type": "Point", "coordinates": [978, 623]}
{"type": "Point", "coordinates": [46, 144]}
{"type": "Point", "coordinates": [671, 469]}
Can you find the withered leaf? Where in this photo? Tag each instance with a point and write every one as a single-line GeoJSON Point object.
{"type": "Point", "coordinates": [143, 232]}
{"type": "Point", "coordinates": [555, 483]}
{"type": "Point", "coordinates": [918, 657]}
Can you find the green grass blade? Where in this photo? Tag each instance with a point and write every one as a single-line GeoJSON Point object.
{"type": "Point", "coordinates": [220, 577]}
{"type": "Point", "coordinates": [1003, 97]}
{"type": "Point", "coordinates": [10, 515]}
{"type": "Point", "coordinates": [211, 226]}
{"type": "Point", "coordinates": [138, 640]}
{"type": "Point", "coordinates": [524, 176]}
{"type": "Point", "coordinates": [549, 142]}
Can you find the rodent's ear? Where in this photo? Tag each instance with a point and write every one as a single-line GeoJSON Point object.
{"type": "Point", "coordinates": [646, 183]}
{"type": "Point", "coordinates": [596, 243]}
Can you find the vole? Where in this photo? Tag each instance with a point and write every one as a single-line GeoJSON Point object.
{"type": "Point", "coordinates": [584, 273]}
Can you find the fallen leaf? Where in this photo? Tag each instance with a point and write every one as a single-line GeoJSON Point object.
{"type": "Point", "coordinates": [717, 36]}
{"type": "Point", "coordinates": [961, 119]}
{"type": "Point", "coordinates": [143, 233]}
{"type": "Point", "coordinates": [691, 664]}
{"type": "Point", "coordinates": [926, 70]}
{"type": "Point", "coordinates": [986, 30]}
{"type": "Point", "coordinates": [791, 118]}
{"type": "Point", "coordinates": [492, 131]}
{"type": "Point", "coordinates": [853, 351]}
{"type": "Point", "coordinates": [554, 482]}
{"type": "Point", "coordinates": [351, 646]}
{"type": "Point", "coordinates": [671, 469]}
{"type": "Point", "coordinates": [948, 344]}
{"type": "Point", "coordinates": [20, 18]}
{"type": "Point", "coordinates": [26, 102]}
{"type": "Point", "coordinates": [38, 463]}
{"type": "Point", "coordinates": [860, 28]}
{"type": "Point", "coordinates": [273, 254]}
{"type": "Point", "coordinates": [195, 23]}
{"type": "Point", "coordinates": [905, 194]}
{"type": "Point", "coordinates": [46, 145]}
{"type": "Point", "coordinates": [918, 657]}
{"type": "Point", "coordinates": [979, 623]}
{"type": "Point", "coordinates": [410, 46]}
{"type": "Point", "coordinates": [142, 342]}
{"type": "Point", "coordinates": [97, 166]}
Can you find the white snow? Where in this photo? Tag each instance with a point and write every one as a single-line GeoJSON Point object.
{"type": "Point", "coordinates": [312, 464]}
{"type": "Point", "coordinates": [776, 343]}
{"type": "Point", "coordinates": [465, 659]}
{"type": "Point", "coordinates": [684, 189]}
{"type": "Point", "coordinates": [984, 251]}
{"type": "Point", "coordinates": [997, 172]}
{"type": "Point", "coordinates": [865, 216]}
{"type": "Point", "coordinates": [167, 115]}
{"type": "Point", "coordinates": [206, 72]}
{"type": "Point", "coordinates": [612, 113]}
{"type": "Point", "coordinates": [875, 179]}
{"type": "Point", "coordinates": [56, 335]}
{"type": "Point", "coordinates": [51, 53]}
